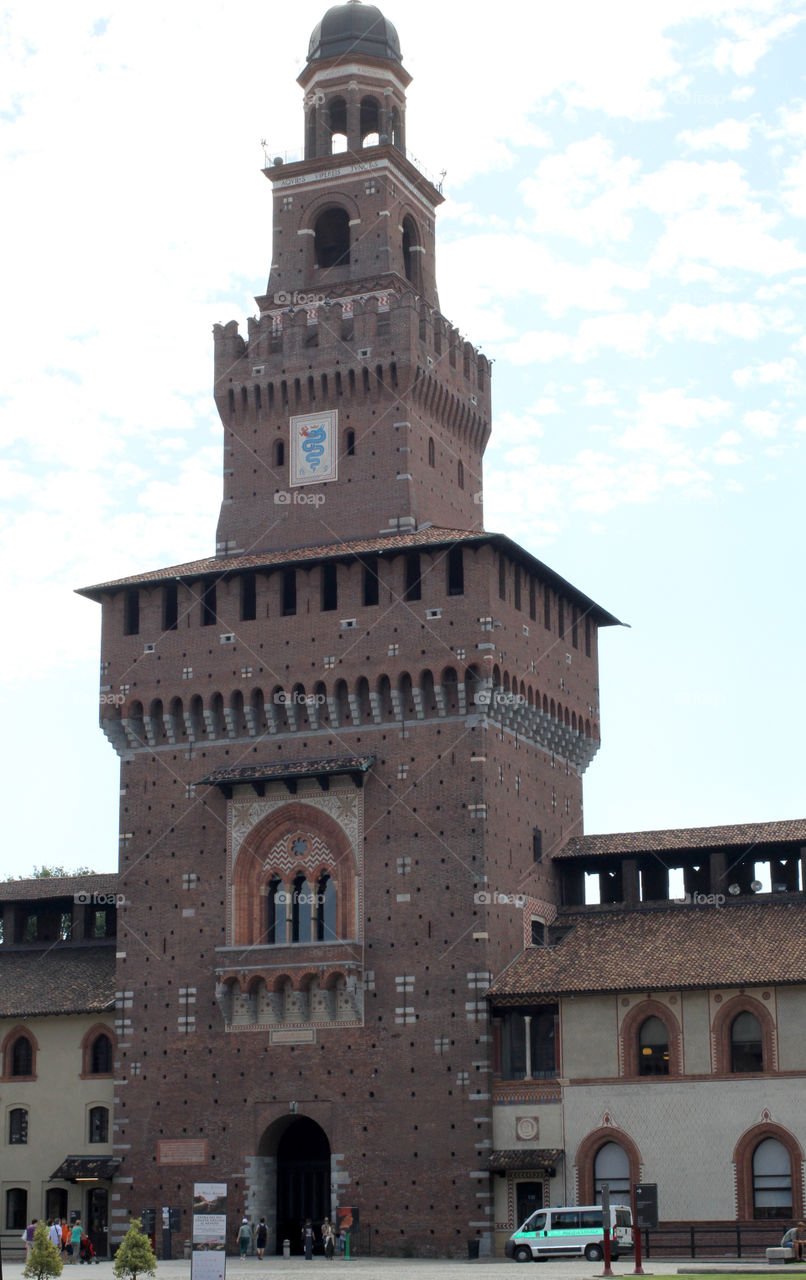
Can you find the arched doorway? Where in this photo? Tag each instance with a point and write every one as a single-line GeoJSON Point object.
{"type": "Point", "coordinates": [294, 1154]}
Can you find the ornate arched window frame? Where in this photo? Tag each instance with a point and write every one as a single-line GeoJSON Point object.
{"type": "Point", "coordinates": [7, 1053]}
{"type": "Point", "coordinates": [87, 1047]}
{"type": "Point", "coordinates": [629, 1032]}
{"type": "Point", "coordinates": [586, 1158]}
{"type": "Point", "coordinates": [723, 1020]}
{"type": "Point", "coordinates": [743, 1162]}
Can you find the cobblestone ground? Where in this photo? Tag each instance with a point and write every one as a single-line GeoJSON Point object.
{"type": "Point", "coordinates": [405, 1269]}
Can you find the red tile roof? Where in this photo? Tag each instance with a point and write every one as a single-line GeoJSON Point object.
{"type": "Point", "coordinates": [432, 536]}
{"type": "Point", "coordinates": [737, 834]}
{"type": "Point", "coordinates": [63, 978]}
{"type": "Point", "coordinates": [679, 946]}
{"type": "Point", "coordinates": [57, 887]}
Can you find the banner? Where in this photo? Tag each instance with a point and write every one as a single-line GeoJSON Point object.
{"type": "Point", "coordinates": [313, 448]}
{"type": "Point", "coordinates": [209, 1238]}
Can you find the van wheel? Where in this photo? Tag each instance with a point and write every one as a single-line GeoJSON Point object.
{"type": "Point", "coordinates": [523, 1254]}
{"type": "Point", "coordinates": [593, 1252]}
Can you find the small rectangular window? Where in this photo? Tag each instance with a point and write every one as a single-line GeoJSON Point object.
{"type": "Point", "coordinates": [371, 582]}
{"type": "Point", "coordinates": [208, 606]}
{"type": "Point", "coordinates": [170, 607]}
{"type": "Point", "coordinates": [131, 613]}
{"type": "Point", "coordinates": [456, 572]}
{"type": "Point", "coordinates": [18, 1127]}
{"type": "Point", "coordinates": [248, 597]}
{"type": "Point", "coordinates": [289, 592]}
{"type": "Point", "coordinates": [330, 596]}
{"type": "Point", "coordinates": [502, 578]}
{"type": "Point", "coordinates": [413, 579]}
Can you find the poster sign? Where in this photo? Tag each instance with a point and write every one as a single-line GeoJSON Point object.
{"type": "Point", "coordinates": [209, 1259]}
{"type": "Point", "coordinates": [313, 448]}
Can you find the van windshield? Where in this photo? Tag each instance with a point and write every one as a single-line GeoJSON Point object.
{"type": "Point", "coordinates": [537, 1222]}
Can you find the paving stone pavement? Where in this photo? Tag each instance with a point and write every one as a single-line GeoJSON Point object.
{"type": "Point", "coordinates": [403, 1269]}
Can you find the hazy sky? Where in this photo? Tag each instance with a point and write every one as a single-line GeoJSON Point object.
{"type": "Point", "coordinates": [623, 234]}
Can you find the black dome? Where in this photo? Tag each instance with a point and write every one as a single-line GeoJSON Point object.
{"type": "Point", "coordinates": [354, 29]}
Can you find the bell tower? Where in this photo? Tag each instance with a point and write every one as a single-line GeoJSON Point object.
{"type": "Point", "coordinates": [353, 408]}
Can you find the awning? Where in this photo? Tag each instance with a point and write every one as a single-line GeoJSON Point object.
{"type": "Point", "coordinates": [510, 1161]}
{"type": "Point", "coordinates": [290, 773]}
{"type": "Point", "coordinates": [77, 1168]}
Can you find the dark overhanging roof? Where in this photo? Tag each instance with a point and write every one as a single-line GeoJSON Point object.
{"type": "Point", "coordinates": [290, 772]}
{"type": "Point", "coordinates": [430, 538]}
{"type": "Point", "coordinates": [540, 1158]}
{"type": "Point", "coordinates": [86, 1168]}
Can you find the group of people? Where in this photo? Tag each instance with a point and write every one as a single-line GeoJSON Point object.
{"type": "Point", "coordinates": [71, 1240]}
{"type": "Point", "coordinates": [257, 1237]}
{"type": "Point", "coordinates": [333, 1240]}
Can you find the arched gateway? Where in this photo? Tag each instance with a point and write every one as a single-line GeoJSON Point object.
{"type": "Point", "coordinates": [290, 1179]}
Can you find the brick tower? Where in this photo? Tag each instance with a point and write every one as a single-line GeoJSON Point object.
{"type": "Point", "coordinates": [350, 742]}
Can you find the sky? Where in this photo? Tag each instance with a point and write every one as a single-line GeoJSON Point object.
{"type": "Point", "coordinates": [622, 234]}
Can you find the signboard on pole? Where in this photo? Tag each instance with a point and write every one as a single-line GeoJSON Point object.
{"type": "Point", "coordinates": [646, 1205]}
{"type": "Point", "coordinates": [209, 1238]}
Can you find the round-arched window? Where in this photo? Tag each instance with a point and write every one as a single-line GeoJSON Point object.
{"type": "Point", "coordinates": [653, 1048]}
{"type": "Point", "coordinates": [772, 1179]}
{"type": "Point", "coordinates": [612, 1166]}
{"type": "Point", "coordinates": [746, 1046]}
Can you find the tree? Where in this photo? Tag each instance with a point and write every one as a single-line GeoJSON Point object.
{"type": "Point", "coordinates": [134, 1257]}
{"type": "Point", "coordinates": [53, 873]}
{"type": "Point", "coordinates": [43, 1260]}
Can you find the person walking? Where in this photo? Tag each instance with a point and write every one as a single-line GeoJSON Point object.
{"type": "Point", "coordinates": [308, 1239]}
{"type": "Point", "coordinates": [55, 1234]}
{"type": "Point", "coordinates": [76, 1233]}
{"type": "Point", "coordinates": [261, 1237]}
{"type": "Point", "coordinates": [244, 1237]}
{"type": "Point", "coordinates": [327, 1239]}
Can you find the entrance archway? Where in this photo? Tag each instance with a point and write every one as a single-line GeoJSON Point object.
{"type": "Point", "coordinates": [294, 1164]}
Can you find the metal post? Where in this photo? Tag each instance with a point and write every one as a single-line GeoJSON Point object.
{"type": "Point", "coordinates": [606, 1269]}
{"type": "Point", "coordinates": [638, 1270]}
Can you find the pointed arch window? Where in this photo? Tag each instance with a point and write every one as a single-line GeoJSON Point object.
{"type": "Point", "coordinates": [301, 903]}
{"type": "Point", "coordinates": [326, 909]}
{"type": "Point", "coordinates": [101, 1056]}
{"type": "Point", "coordinates": [276, 900]}
{"type": "Point", "coordinates": [22, 1057]}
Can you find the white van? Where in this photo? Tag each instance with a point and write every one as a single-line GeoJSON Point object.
{"type": "Point", "coordinates": [570, 1231]}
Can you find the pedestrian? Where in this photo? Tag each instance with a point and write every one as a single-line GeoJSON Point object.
{"type": "Point", "coordinates": [244, 1237]}
{"type": "Point", "coordinates": [261, 1237]}
{"type": "Point", "coordinates": [55, 1233]}
{"type": "Point", "coordinates": [65, 1235]}
{"type": "Point", "coordinates": [327, 1239]}
{"type": "Point", "coordinates": [308, 1238]}
{"type": "Point", "coordinates": [799, 1240]}
{"type": "Point", "coordinates": [28, 1236]}
{"type": "Point", "coordinates": [76, 1233]}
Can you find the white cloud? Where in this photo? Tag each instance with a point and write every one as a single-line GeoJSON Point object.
{"type": "Point", "coordinates": [727, 135]}
{"type": "Point", "coordinates": [709, 323]}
